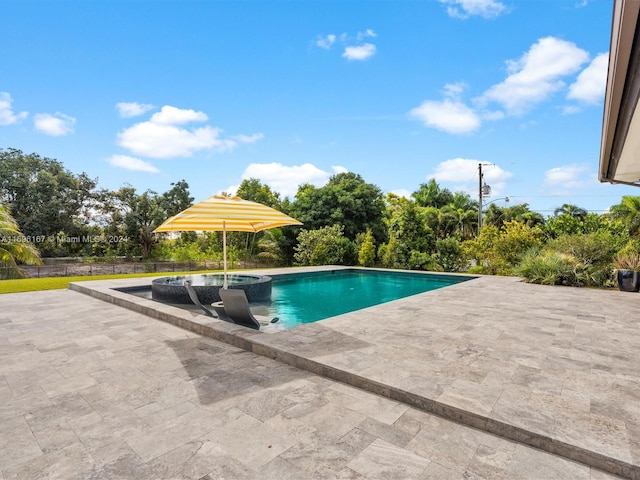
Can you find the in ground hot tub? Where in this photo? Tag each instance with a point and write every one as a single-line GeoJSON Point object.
{"type": "Point", "coordinates": [172, 289]}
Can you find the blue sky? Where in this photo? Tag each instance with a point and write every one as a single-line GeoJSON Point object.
{"type": "Point", "coordinates": [291, 92]}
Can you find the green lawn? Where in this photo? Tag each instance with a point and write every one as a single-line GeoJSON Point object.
{"type": "Point", "coordinates": [56, 283]}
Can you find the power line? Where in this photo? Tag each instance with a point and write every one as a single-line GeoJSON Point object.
{"type": "Point", "coordinates": [565, 196]}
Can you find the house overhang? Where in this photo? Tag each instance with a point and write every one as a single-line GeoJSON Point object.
{"type": "Point", "coordinates": [620, 146]}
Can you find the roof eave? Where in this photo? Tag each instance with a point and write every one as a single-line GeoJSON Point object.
{"type": "Point", "coordinates": [623, 89]}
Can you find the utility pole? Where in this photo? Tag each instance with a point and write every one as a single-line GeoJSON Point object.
{"type": "Point", "coordinates": [479, 197]}
{"type": "Point", "coordinates": [484, 190]}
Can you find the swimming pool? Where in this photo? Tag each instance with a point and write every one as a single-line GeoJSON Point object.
{"type": "Point", "coordinates": [307, 298]}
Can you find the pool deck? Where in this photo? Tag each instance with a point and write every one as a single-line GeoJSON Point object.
{"type": "Point", "coordinates": [460, 382]}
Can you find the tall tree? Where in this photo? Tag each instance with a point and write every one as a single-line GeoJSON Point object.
{"type": "Point", "coordinates": [176, 199]}
{"type": "Point", "coordinates": [143, 216]}
{"type": "Point", "coordinates": [460, 222]}
{"type": "Point", "coordinates": [15, 247]}
{"type": "Point", "coordinates": [43, 197]}
{"type": "Point", "coordinates": [460, 216]}
{"type": "Point", "coordinates": [346, 200]}
{"type": "Point", "coordinates": [252, 189]}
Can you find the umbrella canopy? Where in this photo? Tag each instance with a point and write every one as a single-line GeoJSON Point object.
{"type": "Point", "coordinates": [220, 213]}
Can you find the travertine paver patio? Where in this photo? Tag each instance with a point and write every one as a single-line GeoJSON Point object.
{"type": "Point", "coordinates": [92, 390]}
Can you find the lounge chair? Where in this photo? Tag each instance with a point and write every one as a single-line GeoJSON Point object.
{"type": "Point", "coordinates": [194, 298]}
{"type": "Point", "coordinates": [237, 308]}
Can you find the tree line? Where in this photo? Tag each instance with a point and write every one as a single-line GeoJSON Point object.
{"type": "Point", "coordinates": [347, 221]}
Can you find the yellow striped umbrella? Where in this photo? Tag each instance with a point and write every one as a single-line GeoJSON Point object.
{"type": "Point", "coordinates": [220, 213]}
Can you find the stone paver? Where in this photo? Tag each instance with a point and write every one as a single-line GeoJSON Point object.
{"type": "Point", "coordinates": [92, 390]}
{"type": "Point", "coordinates": [552, 367]}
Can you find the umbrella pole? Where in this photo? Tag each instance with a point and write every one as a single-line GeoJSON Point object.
{"type": "Point", "coordinates": [224, 253]}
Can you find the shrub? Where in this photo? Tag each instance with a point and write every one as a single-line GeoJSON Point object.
{"type": "Point", "coordinates": [627, 261]}
{"type": "Point", "coordinates": [449, 255]}
{"type": "Point", "coordinates": [498, 251]}
{"type": "Point", "coordinates": [596, 248]}
{"type": "Point", "coordinates": [551, 268]}
{"type": "Point", "coordinates": [324, 246]}
{"type": "Point", "coordinates": [422, 261]}
{"type": "Point", "coordinates": [367, 251]}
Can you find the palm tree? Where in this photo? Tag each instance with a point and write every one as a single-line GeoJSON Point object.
{"type": "Point", "coordinates": [460, 216]}
{"type": "Point", "coordinates": [572, 210]}
{"type": "Point", "coordinates": [629, 212]}
{"type": "Point", "coordinates": [460, 221]}
{"type": "Point", "coordinates": [14, 247]}
{"type": "Point", "coordinates": [431, 195]}
{"type": "Point", "coordinates": [270, 246]}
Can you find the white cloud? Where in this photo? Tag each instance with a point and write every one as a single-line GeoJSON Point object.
{"type": "Point", "coordinates": [351, 52]}
{"type": "Point", "coordinates": [131, 163]}
{"type": "Point", "coordinates": [568, 176]}
{"type": "Point", "coordinates": [248, 138]}
{"type": "Point", "coordinates": [7, 117]}
{"type": "Point", "coordinates": [55, 125]}
{"type": "Point", "coordinates": [493, 115]}
{"type": "Point", "coordinates": [454, 90]}
{"type": "Point", "coordinates": [367, 33]}
{"type": "Point", "coordinates": [169, 115]}
{"type": "Point", "coordinates": [536, 75]}
{"type": "Point", "coordinates": [339, 169]}
{"type": "Point", "coordinates": [165, 136]}
{"type": "Point", "coordinates": [326, 41]}
{"type": "Point", "coordinates": [463, 172]}
{"type": "Point", "coordinates": [401, 193]}
{"type": "Point", "coordinates": [166, 141]}
{"type": "Point", "coordinates": [571, 109]}
{"type": "Point", "coordinates": [361, 52]}
{"type": "Point", "coordinates": [468, 8]}
{"type": "Point", "coordinates": [286, 179]}
{"type": "Point", "coordinates": [447, 115]}
{"type": "Point", "coordinates": [132, 109]}
{"type": "Point", "coordinates": [590, 85]}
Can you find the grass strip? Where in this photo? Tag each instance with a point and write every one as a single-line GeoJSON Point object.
{"type": "Point", "coordinates": [58, 283]}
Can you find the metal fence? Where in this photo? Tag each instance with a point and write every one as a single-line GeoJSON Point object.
{"type": "Point", "coordinates": [88, 269]}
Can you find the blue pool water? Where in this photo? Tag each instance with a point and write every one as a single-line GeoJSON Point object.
{"type": "Point", "coordinates": [306, 298]}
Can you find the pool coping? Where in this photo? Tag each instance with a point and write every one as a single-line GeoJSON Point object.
{"type": "Point", "coordinates": [276, 347]}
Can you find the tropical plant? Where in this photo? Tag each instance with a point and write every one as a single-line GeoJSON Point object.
{"type": "Point", "coordinates": [628, 257]}
{"type": "Point", "coordinates": [459, 221]}
{"type": "Point", "coordinates": [629, 212]}
{"type": "Point", "coordinates": [495, 215]}
{"type": "Point", "coordinates": [15, 247]}
{"type": "Point", "coordinates": [270, 246]}
{"type": "Point", "coordinates": [590, 254]}
{"type": "Point", "coordinates": [571, 210]}
{"type": "Point", "coordinates": [551, 268]}
{"type": "Point", "coordinates": [367, 251]}
{"type": "Point", "coordinates": [627, 261]}
{"type": "Point", "coordinates": [431, 195]}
